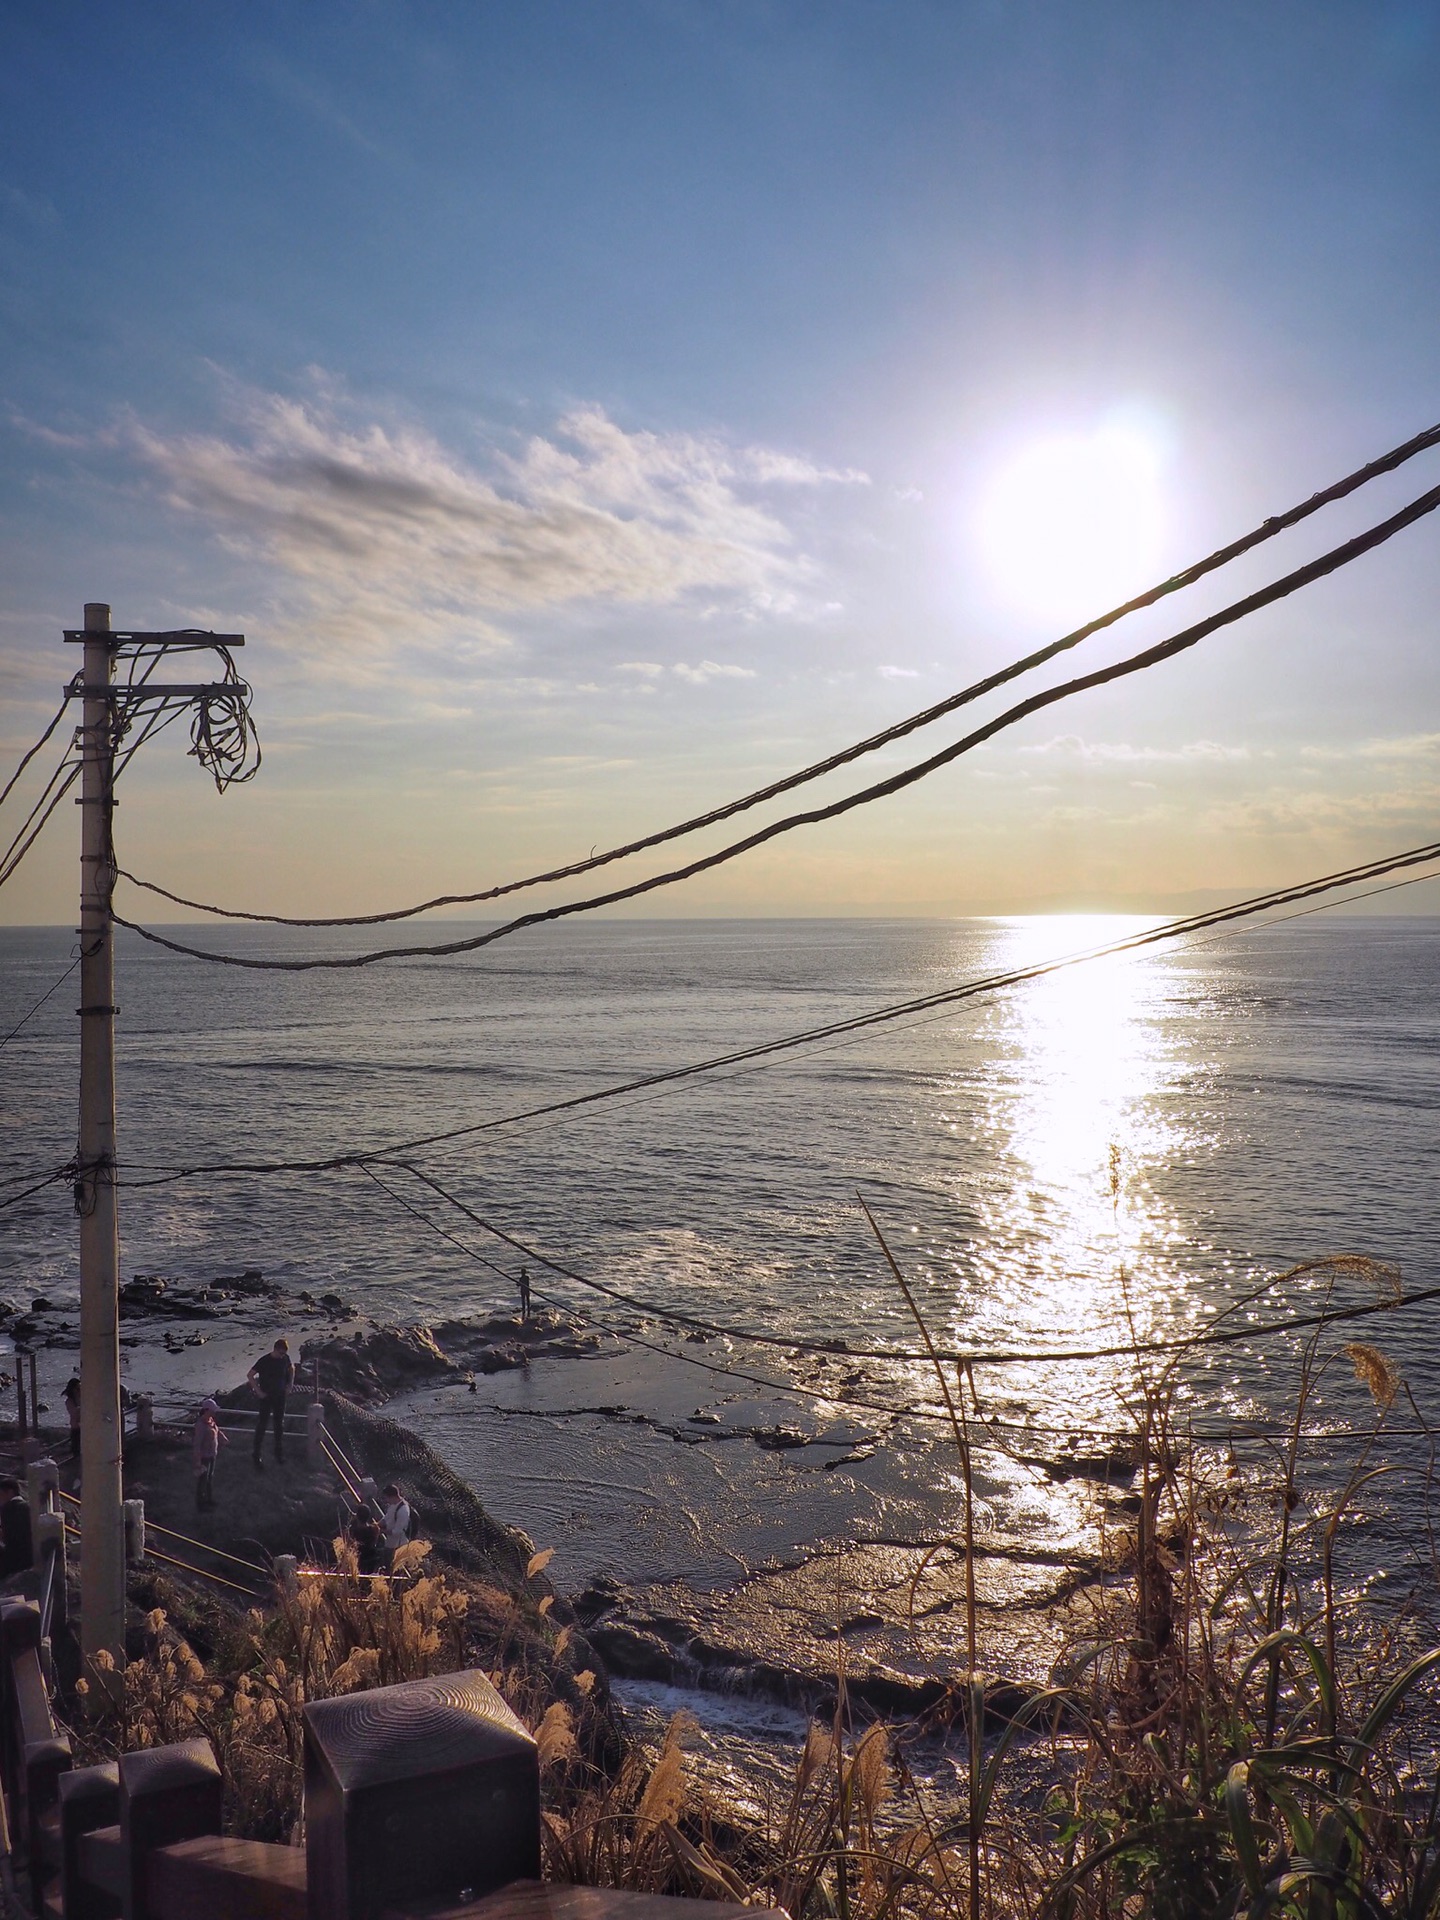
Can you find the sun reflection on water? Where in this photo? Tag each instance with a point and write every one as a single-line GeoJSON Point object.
{"type": "Point", "coordinates": [1073, 1115]}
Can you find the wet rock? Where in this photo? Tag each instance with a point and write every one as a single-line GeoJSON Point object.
{"type": "Point", "coordinates": [602, 1596]}
{"type": "Point", "coordinates": [332, 1300]}
{"type": "Point", "coordinates": [251, 1281]}
{"type": "Point", "coordinates": [779, 1439]}
{"type": "Point", "coordinates": [41, 1305]}
{"type": "Point", "coordinates": [702, 1418]}
{"type": "Point", "coordinates": [502, 1359]}
{"type": "Point", "coordinates": [370, 1367]}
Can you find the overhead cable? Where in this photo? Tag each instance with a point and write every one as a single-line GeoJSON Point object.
{"type": "Point", "coordinates": [1267, 530]}
{"type": "Point", "coordinates": [855, 1023]}
{"type": "Point", "coordinates": [1029, 1432]}
{"type": "Point", "coordinates": [1318, 569]}
{"type": "Point", "coordinates": [25, 1019]}
{"type": "Point", "coordinates": [31, 752]}
{"type": "Point", "coordinates": [49, 800]}
{"type": "Point", "coordinates": [990, 1357]}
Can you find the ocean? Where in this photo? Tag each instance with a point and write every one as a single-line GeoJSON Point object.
{"type": "Point", "coordinates": [1116, 1152]}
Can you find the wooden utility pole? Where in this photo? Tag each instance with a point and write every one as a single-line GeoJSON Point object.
{"type": "Point", "coordinates": [102, 1535]}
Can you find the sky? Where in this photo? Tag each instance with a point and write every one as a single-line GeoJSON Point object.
{"type": "Point", "coordinates": [589, 413]}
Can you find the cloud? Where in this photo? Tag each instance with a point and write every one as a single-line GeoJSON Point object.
{"type": "Point", "coordinates": [1125, 753]}
{"type": "Point", "coordinates": [898, 673]}
{"type": "Point", "coordinates": [711, 670]}
{"type": "Point", "coordinates": [647, 669]}
{"type": "Point", "coordinates": [378, 526]}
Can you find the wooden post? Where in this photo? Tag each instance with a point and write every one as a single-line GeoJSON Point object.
{"type": "Point", "coordinates": [22, 1428]}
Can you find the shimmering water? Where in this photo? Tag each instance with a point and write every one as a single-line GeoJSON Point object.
{"type": "Point", "coordinates": [1122, 1148]}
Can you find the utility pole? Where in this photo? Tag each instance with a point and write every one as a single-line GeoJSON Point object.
{"type": "Point", "coordinates": [102, 1534]}
{"type": "Point", "coordinates": [223, 740]}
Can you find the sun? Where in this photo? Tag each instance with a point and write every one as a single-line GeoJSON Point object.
{"type": "Point", "coordinates": [1074, 523]}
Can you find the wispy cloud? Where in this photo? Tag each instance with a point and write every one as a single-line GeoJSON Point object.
{"type": "Point", "coordinates": [1071, 745]}
{"type": "Point", "coordinates": [711, 670]}
{"type": "Point", "coordinates": [380, 528]}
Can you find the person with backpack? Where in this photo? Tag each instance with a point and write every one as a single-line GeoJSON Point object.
{"type": "Point", "coordinates": [396, 1520]}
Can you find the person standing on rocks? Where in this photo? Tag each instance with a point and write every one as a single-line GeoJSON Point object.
{"type": "Point", "coordinates": [205, 1451]}
{"type": "Point", "coordinates": [524, 1285]}
{"type": "Point", "coordinates": [272, 1377]}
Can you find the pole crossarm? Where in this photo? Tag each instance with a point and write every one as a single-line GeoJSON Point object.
{"type": "Point", "coordinates": [143, 690]}
{"type": "Point", "coordinates": [182, 639]}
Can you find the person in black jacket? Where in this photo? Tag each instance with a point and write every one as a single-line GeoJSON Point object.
{"type": "Point", "coordinates": [17, 1545]}
{"type": "Point", "coordinates": [366, 1539]}
{"type": "Point", "coordinates": [272, 1376]}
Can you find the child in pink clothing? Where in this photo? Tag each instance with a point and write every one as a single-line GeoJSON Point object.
{"type": "Point", "coordinates": [205, 1451]}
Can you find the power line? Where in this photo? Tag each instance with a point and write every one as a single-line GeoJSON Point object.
{"type": "Point", "coordinates": [922, 1410]}
{"type": "Point", "coordinates": [1268, 529]}
{"type": "Point", "coordinates": [25, 839]}
{"type": "Point", "coordinates": [855, 1023]}
{"type": "Point", "coordinates": [1328, 563]}
{"type": "Point", "coordinates": [31, 752]}
{"type": "Point", "coordinates": [994, 1357]}
{"type": "Point", "coordinates": [5, 1039]}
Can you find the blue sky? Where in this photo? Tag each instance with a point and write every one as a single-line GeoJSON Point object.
{"type": "Point", "coordinates": [589, 411]}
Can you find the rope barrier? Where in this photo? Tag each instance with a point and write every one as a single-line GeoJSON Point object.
{"type": "Point", "coordinates": [201, 1573]}
{"type": "Point", "coordinates": [250, 1566]}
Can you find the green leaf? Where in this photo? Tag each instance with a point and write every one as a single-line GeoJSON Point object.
{"type": "Point", "coordinates": [1242, 1827]}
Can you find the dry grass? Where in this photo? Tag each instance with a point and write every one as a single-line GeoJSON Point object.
{"type": "Point", "coordinates": [1232, 1739]}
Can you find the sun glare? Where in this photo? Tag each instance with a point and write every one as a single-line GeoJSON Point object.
{"type": "Point", "coordinates": [1073, 523]}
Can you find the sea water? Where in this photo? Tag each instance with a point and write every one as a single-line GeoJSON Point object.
{"type": "Point", "coordinates": [1112, 1153]}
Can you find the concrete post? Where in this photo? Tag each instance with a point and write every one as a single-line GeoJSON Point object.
{"type": "Point", "coordinates": [314, 1429]}
{"type": "Point", "coordinates": [134, 1511]}
{"type": "Point", "coordinates": [42, 1486]}
{"type": "Point", "coordinates": [102, 1574]}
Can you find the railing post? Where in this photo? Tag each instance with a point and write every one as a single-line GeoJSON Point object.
{"type": "Point", "coordinates": [166, 1794]}
{"type": "Point", "coordinates": [144, 1418]}
{"type": "Point", "coordinates": [22, 1425]}
{"type": "Point", "coordinates": [285, 1574]}
{"type": "Point", "coordinates": [49, 1530]}
{"type": "Point", "coordinates": [414, 1793]}
{"type": "Point", "coordinates": [42, 1485]}
{"type": "Point", "coordinates": [314, 1431]}
{"type": "Point", "coordinates": [134, 1511]}
{"type": "Point", "coordinates": [89, 1800]}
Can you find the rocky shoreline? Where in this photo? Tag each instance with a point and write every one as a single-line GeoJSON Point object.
{"type": "Point", "coordinates": [886, 1612]}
